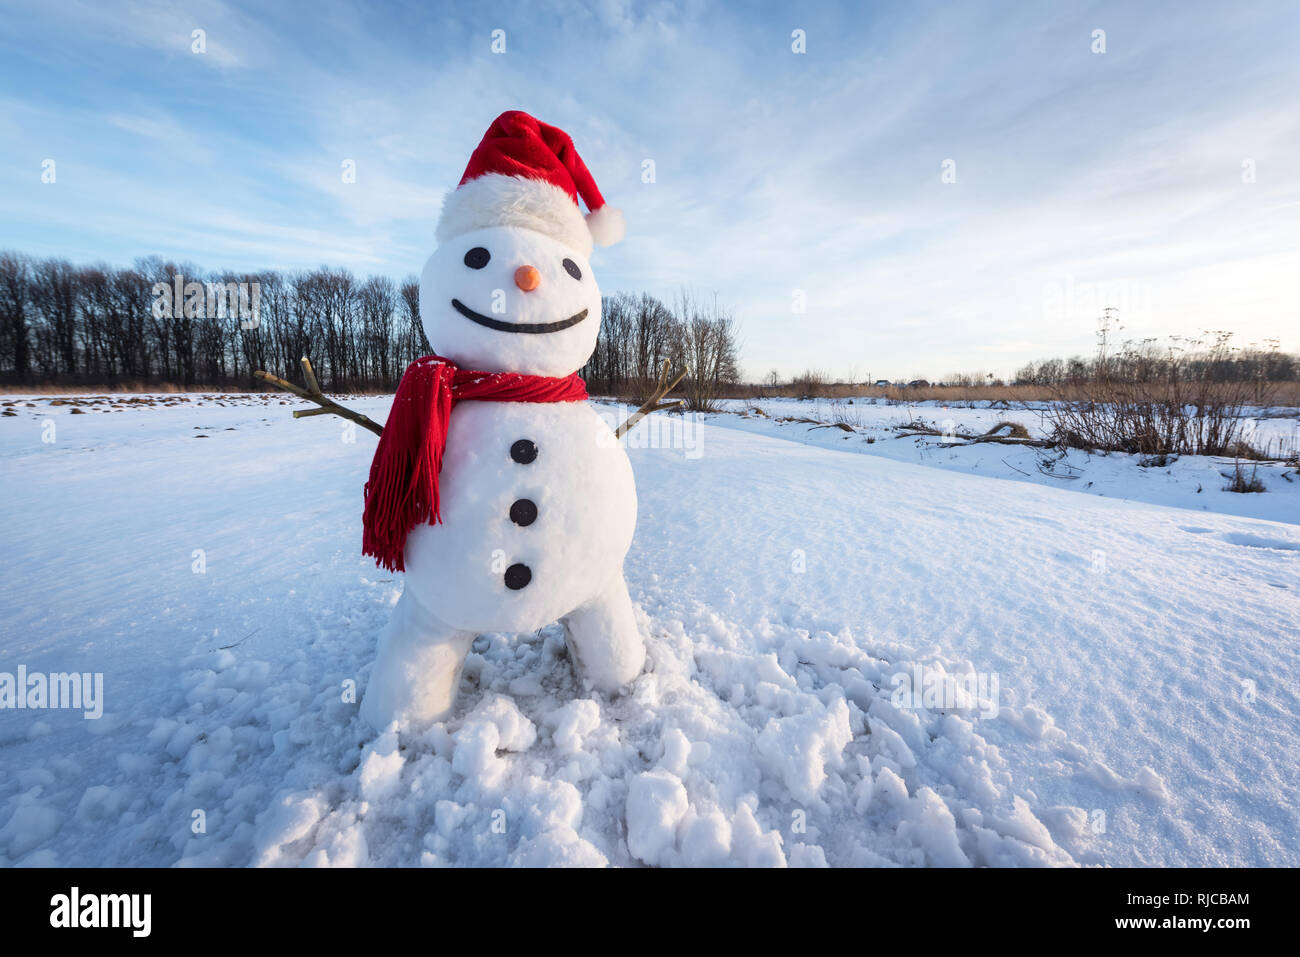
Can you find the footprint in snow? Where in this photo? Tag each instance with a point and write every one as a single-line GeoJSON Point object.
{"type": "Point", "coordinates": [1255, 541]}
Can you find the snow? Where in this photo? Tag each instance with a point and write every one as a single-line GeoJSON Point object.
{"type": "Point", "coordinates": [656, 803]}
{"type": "Point", "coordinates": [1111, 681]}
{"type": "Point", "coordinates": [1193, 482]}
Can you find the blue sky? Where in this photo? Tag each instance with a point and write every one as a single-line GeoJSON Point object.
{"type": "Point", "coordinates": [1082, 179]}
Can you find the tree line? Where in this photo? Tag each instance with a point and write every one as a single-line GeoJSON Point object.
{"type": "Point", "coordinates": [1210, 358]}
{"type": "Point", "coordinates": [158, 322]}
{"type": "Point", "coordinates": [162, 322]}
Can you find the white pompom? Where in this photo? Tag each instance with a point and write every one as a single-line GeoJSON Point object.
{"type": "Point", "coordinates": [606, 225]}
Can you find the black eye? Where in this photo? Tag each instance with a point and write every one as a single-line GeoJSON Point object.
{"type": "Point", "coordinates": [572, 269]}
{"type": "Point", "coordinates": [477, 257]}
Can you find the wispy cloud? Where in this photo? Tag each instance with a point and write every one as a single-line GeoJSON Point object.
{"type": "Point", "coordinates": [1080, 177]}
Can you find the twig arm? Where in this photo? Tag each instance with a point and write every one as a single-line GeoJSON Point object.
{"type": "Point", "coordinates": [313, 394]}
{"type": "Point", "coordinates": [312, 385]}
{"type": "Point", "coordinates": [652, 404]}
{"type": "Point", "coordinates": [329, 407]}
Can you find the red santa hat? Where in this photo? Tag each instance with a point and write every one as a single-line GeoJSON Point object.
{"type": "Point", "coordinates": [528, 174]}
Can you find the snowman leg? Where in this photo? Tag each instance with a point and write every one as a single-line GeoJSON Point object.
{"type": "Point", "coordinates": [603, 638]}
{"type": "Point", "coordinates": [417, 671]}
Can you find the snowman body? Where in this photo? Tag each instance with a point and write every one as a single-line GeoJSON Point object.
{"type": "Point", "coordinates": [538, 510]}
{"type": "Point", "coordinates": [537, 500]}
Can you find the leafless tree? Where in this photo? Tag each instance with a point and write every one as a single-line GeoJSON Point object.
{"type": "Point", "coordinates": [638, 332]}
{"type": "Point", "coordinates": [709, 350]}
{"type": "Point", "coordinates": [15, 278]}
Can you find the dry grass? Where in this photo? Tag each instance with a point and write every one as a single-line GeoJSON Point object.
{"type": "Point", "coordinates": [1004, 433]}
{"type": "Point", "coordinates": [1013, 430]}
{"type": "Point", "coordinates": [1163, 401]}
{"type": "Point", "coordinates": [1284, 394]}
{"type": "Point", "coordinates": [135, 387]}
{"type": "Point", "coordinates": [127, 388]}
{"type": "Point", "coordinates": [1239, 481]}
{"type": "Point", "coordinates": [806, 386]}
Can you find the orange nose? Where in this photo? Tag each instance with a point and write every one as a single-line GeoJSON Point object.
{"type": "Point", "coordinates": [527, 278]}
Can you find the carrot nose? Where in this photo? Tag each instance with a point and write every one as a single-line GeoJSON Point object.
{"type": "Point", "coordinates": [527, 278]}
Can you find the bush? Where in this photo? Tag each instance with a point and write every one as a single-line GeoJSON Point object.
{"type": "Point", "coordinates": [1159, 401]}
{"type": "Point", "coordinates": [1239, 481]}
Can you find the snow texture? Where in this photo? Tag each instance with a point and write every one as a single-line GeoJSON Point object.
{"type": "Point", "coordinates": [203, 553]}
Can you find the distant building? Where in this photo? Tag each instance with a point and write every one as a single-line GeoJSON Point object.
{"type": "Point", "coordinates": [918, 384]}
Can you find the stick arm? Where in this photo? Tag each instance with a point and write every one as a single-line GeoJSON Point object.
{"type": "Point", "coordinates": [662, 388]}
{"type": "Point", "coordinates": [313, 394]}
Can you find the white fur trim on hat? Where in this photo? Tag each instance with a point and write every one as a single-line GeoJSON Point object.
{"type": "Point", "coordinates": [495, 199]}
{"type": "Point", "coordinates": [607, 225]}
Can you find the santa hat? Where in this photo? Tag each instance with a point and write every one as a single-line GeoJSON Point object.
{"type": "Point", "coordinates": [527, 174]}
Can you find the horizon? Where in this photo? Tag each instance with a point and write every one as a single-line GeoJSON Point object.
{"type": "Point", "coordinates": [1006, 181]}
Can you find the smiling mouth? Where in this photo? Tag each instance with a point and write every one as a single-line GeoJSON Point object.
{"type": "Point", "coordinates": [500, 326]}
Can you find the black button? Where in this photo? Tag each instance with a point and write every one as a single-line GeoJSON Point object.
{"type": "Point", "coordinates": [517, 576]}
{"type": "Point", "coordinates": [523, 451]}
{"type": "Point", "coordinates": [523, 512]}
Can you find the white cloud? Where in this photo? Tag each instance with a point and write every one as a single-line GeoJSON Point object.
{"type": "Point", "coordinates": [775, 171]}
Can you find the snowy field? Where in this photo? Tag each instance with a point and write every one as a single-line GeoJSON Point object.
{"type": "Point", "coordinates": [1195, 482]}
{"type": "Point", "coordinates": [908, 656]}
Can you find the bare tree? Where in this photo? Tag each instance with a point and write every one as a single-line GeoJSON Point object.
{"type": "Point", "coordinates": [15, 276]}
{"type": "Point", "coordinates": [708, 345]}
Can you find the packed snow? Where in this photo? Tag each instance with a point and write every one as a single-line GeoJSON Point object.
{"type": "Point", "coordinates": [854, 659]}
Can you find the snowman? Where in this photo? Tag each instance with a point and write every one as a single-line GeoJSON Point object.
{"type": "Point", "coordinates": [495, 487]}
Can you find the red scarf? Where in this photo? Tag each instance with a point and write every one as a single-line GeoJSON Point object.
{"type": "Point", "coordinates": [403, 486]}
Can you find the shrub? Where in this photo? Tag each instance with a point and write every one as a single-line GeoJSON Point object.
{"type": "Point", "coordinates": [1159, 401]}
{"type": "Point", "coordinates": [1239, 481]}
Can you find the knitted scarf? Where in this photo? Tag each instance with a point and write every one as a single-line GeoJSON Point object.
{"type": "Point", "coordinates": [403, 486]}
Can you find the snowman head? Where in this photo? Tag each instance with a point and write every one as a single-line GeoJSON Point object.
{"type": "Point", "coordinates": [510, 287]}
{"type": "Point", "coordinates": [505, 299]}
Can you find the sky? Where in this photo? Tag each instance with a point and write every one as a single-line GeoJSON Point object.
{"type": "Point", "coordinates": [925, 189]}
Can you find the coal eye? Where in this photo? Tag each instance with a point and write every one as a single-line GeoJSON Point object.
{"type": "Point", "coordinates": [572, 269]}
{"type": "Point", "coordinates": [477, 257]}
